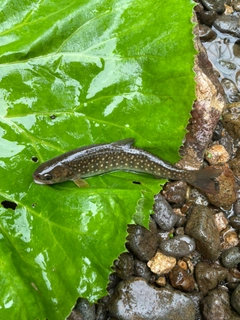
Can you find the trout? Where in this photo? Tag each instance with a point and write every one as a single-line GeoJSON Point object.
{"type": "Point", "coordinates": [121, 155]}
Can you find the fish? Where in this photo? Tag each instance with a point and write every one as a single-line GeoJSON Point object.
{"type": "Point", "coordinates": [98, 159]}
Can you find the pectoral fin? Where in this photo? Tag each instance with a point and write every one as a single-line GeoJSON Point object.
{"type": "Point", "coordinates": [81, 183]}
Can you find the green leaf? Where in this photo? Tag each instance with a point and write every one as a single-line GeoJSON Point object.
{"type": "Point", "coordinates": [72, 74]}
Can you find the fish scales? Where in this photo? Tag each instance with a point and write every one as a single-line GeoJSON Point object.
{"type": "Point", "coordinates": [121, 155]}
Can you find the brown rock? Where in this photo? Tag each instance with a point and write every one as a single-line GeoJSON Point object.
{"type": "Point", "coordinates": [231, 119]}
{"type": "Point", "coordinates": [181, 280]}
{"type": "Point", "coordinates": [201, 226]}
{"type": "Point", "coordinates": [227, 193]}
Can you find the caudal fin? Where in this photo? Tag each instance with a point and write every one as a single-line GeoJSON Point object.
{"type": "Point", "coordinates": [205, 179]}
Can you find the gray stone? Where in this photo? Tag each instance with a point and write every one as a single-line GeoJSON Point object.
{"type": "Point", "coordinates": [231, 257]}
{"type": "Point", "coordinates": [135, 299]}
{"type": "Point", "coordinates": [178, 246]}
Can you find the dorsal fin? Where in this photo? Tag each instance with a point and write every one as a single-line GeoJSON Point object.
{"type": "Point", "coordinates": [125, 142]}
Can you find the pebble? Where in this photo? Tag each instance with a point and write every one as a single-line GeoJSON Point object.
{"type": "Point", "coordinates": [141, 270]}
{"type": "Point", "coordinates": [208, 277]}
{"type": "Point", "coordinates": [206, 17]}
{"type": "Point", "coordinates": [161, 264]}
{"type": "Point", "coordinates": [229, 86]}
{"type": "Point", "coordinates": [201, 226]}
{"type": "Point", "coordinates": [163, 213]}
{"type": "Point", "coordinates": [86, 309]}
{"type": "Point", "coordinates": [235, 166]}
{"type": "Point", "coordinates": [227, 193]}
{"type": "Point", "coordinates": [216, 306]}
{"type": "Point", "coordinates": [175, 192]}
{"type": "Point", "coordinates": [230, 238]}
{"type": "Point", "coordinates": [142, 242]}
{"type": "Point", "coordinates": [233, 278]}
{"type": "Point", "coordinates": [234, 221]}
{"type": "Point", "coordinates": [220, 220]}
{"type": "Point", "coordinates": [161, 281]}
{"type": "Point", "coordinates": [178, 246]}
{"type": "Point", "coordinates": [124, 265]}
{"type": "Point", "coordinates": [231, 257]}
{"type": "Point", "coordinates": [136, 299]}
{"type": "Point", "coordinates": [231, 119]}
{"type": "Point", "coordinates": [228, 24]}
{"type": "Point", "coordinates": [206, 33]}
{"type": "Point", "coordinates": [181, 280]}
{"type": "Point", "coordinates": [216, 154]}
{"type": "Point", "coordinates": [235, 299]}
{"type": "Point", "coordinates": [214, 5]}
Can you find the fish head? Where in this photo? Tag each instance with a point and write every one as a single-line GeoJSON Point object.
{"type": "Point", "coordinates": [52, 174]}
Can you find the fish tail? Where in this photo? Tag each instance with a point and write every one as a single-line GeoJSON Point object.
{"type": "Point", "coordinates": [204, 179]}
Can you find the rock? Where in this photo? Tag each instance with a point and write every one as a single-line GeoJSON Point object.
{"type": "Point", "coordinates": [206, 33]}
{"type": "Point", "coordinates": [134, 299]}
{"type": "Point", "coordinates": [200, 226]}
{"type": "Point", "coordinates": [229, 86]}
{"type": "Point", "coordinates": [181, 280]}
{"type": "Point", "coordinates": [221, 221]}
{"type": "Point", "coordinates": [75, 315]}
{"type": "Point", "coordinates": [161, 264]}
{"type": "Point", "coordinates": [205, 114]}
{"type": "Point", "coordinates": [141, 270]}
{"type": "Point", "coordinates": [230, 238]}
{"type": "Point", "coordinates": [234, 221]}
{"type": "Point", "coordinates": [227, 193]}
{"type": "Point", "coordinates": [161, 281]}
{"type": "Point", "coordinates": [206, 17]}
{"type": "Point", "coordinates": [216, 154]}
{"type": "Point", "coordinates": [214, 5]}
{"type": "Point", "coordinates": [236, 49]}
{"type": "Point", "coordinates": [216, 306]}
{"type": "Point", "coordinates": [231, 119]}
{"type": "Point", "coordinates": [233, 278]}
{"type": "Point", "coordinates": [178, 246]}
{"type": "Point", "coordinates": [217, 134]}
{"type": "Point", "coordinates": [235, 299]}
{"type": "Point", "coordinates": [142, 242]}
{"type": "Point", "coordinates": [163, 213]}
{"type": "Point", "coordinates": [228, 24]}
{"type": "Point", "coordinates": [231, 257]}
{"type": "Point", "coordinates": [175, 192]}
{"type": "Point", "coordinates": [124, 265]}
{"type": "Point", "coordinates": [208, 277]}
{"type": "Point", "coordinates": [86, 309]}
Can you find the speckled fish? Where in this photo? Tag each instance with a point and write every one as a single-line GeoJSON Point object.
{"type": "Point", "coordinates": [121, 155]}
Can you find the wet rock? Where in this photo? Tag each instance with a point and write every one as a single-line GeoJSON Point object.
{"type": "Point", "coordinates": [228, 24]}
{"type": "Point", "coordinates": [235, 167]}
{"type": "Point", "coordinates": [214, 5]}
{"type": "Point", "coordinates": [163, 213]}
{"type": "Point", "coordinates": [86, 310]}
{"type": "Point", "coordinates": [230, 89]}
{"type": "Point", "coordinates": [208, 277]}
{"type": "Point", "coordinates": [217, 134]}
{"type": "Point", "coordinates": [141, 270]}
{"type": "Point", "coordinates": [226, 141]}
{"type": "Point", "coordinates": [226, 194]}
{"type": "Point", "coordinates": [175, 192]}
{"type": "Point", "coordinates": [234, 221]}
{"type": "Point", "coordinates": [181, 280]}
{"type": "Point", "coordinates": [231, 257]}
{"type": "Point", "coordinates": [178, 246]}
{"type": "Point", "coordinates": [142, 242]}
{"type": "Point", "coordinates": [230, 238]}
{"type": "Point", "coordinates": [206, 17]}
{"type": "Point", "coordinates": [200, 226]}
{"type": "Point", "coordinates": [236, 48]}
{"type": "Point", "coordinates": [102, 308]}
{"type": "Point", "coordinates": [216, 154]}
{"type": "Point", "coordinates": [161, 281]}
{"type": "Point", "coordinates": [124, 265]}
{"type": "Point", "coordinates": [216, 306]}
{"type": "Point", "coordinates": [238, 80]}
{"type": "Point", "coordinates": [206, 33]}
{"type": "Point", "coordinates": [231, 119]}
{"type": "Point", "coordinates": [233, 278]}
{"type": "Point", "coordinates": [161, 264]}
{"type": "Point", "coordinates": [135, 299]}
{"type": "Point", "coordinates": [221, 221]}
{"type": "Point", "coordinates": [235, 299]}
{"type": "Point", "coordinates": [236, 5]}
{"type": "Point", "coordinates": [75, 315]}
{"type": "Point", "coordinates": [205, 114]}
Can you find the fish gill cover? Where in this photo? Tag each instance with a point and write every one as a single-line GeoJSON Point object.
{"type": "Point", "coordinates": [73, 73]}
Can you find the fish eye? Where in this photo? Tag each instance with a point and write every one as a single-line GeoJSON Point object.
{"type": "Point", "coordinates": [47, 176]}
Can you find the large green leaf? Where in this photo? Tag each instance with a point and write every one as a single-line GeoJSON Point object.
{"type": "Point", "coordinates": [74, 73]}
